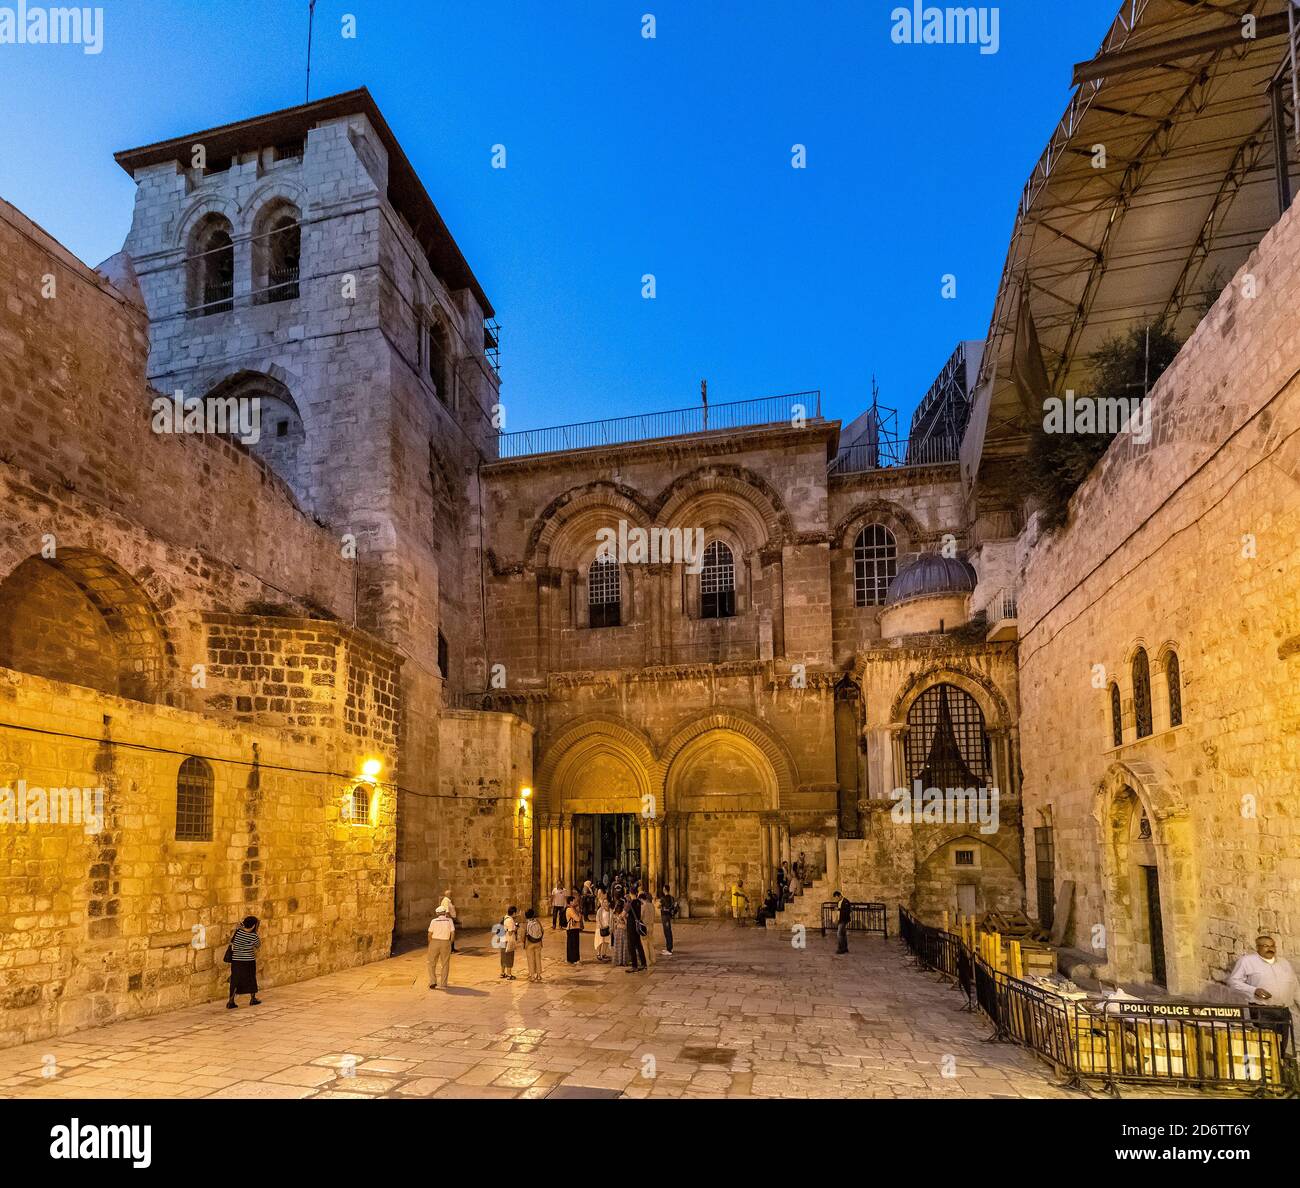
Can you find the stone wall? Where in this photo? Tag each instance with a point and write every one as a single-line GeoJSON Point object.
{"type": "Point", "coordinates": [1188, 545]}
{"type": "Point", "coordinates": [128, 921]}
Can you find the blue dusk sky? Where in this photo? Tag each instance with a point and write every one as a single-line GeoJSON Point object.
{"type": "Point", "coordinates": [625, 156]}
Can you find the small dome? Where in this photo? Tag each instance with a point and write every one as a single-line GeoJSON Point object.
{"type": "Point", "coordinates": [928, 575]}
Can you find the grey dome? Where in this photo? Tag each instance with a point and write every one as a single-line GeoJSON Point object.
{"type": "Point", "coordinates": [930, 574]}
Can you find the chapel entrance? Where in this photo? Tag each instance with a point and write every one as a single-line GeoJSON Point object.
{"type": "Point", "coordinates": [606, 842]}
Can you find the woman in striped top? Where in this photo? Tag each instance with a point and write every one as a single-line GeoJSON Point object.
{"type": "Point", "coordinates": [243, 961]}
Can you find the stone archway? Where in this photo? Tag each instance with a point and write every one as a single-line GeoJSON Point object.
{"type": "Point", "coordinates": [82, 619]}
{"type": "Point", "coordinates": [722, 790]}
{"type": "Point", "coordinates": [1147, 879]}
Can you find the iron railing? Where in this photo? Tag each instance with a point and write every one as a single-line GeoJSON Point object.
{"type": "Point", "coordinates": [795, 410]}
{"type": "Point", "coordinates": [886, 454]}
{"type": "Point", "coordinates": [1002, 605]}
{"type": "Point", "coordinates": [282, 283]}
{"type": "Point", "coordinates": [1205, 1045]}
{"type": "Point", "coordinates": [863, 917]}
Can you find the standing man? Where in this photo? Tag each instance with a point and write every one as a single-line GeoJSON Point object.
{"type": "Point", "coordinates": [739, 901]}
{"type": "Point", "coordinates": [1265, 979]}
{"type": "Point", "coordinates": [667, 910]}
{"type": "Point", "coordinates": [635, 950]}
{"type": "Point", "coordinates": [451, 911]}
{"type": "Point", "coordinates": [558, 897]}
{"type": "Point", "coordinates": [648, 919]}
{"type": "Point", "coordinates": [842, 931]}
{"type": "Point", "coordinates": [441, 931]}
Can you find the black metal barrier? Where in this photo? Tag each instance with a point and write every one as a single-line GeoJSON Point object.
{"type": "Point", "coordinates": [1204, 1045]}
{"type": "Point", "coordinates": [863, 917]}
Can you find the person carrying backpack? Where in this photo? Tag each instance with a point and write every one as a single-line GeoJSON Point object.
{"type": "Point", "coordinates": [534, 934]}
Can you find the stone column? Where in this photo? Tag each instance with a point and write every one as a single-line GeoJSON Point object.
{"type": "Point", "coordinates": [683, 864]}
{"type": "Point", "coordinates": [765, 859]}
{"type": "Point", "coordinates": [670, 853]}
{"type": "Point", "coordinates": [785, 842]}
{"type": "Point", "coordinates": [832, 864]}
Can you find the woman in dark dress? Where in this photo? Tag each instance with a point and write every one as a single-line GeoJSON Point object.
{"type": "Point", "coordinates": [243, 962]}
{"type": "Point", "coordinates": [573, 931]}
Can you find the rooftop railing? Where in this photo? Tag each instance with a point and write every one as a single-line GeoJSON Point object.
{"type": "Point", "coordinates": [795, 409]}
{"type": "Point", "coordinates": [882, 455]}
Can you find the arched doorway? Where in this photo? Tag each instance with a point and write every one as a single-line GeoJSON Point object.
{"type": "Point", "coordinates": [1150, 920]}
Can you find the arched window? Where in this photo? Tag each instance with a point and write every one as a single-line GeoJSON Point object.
{"type": "Point", "coordinates": [194, 801]}
{"type": "Point", "coordinates": [444, 657]}
{"type": "Point", "coordinates": [1142, 693]}
{"type": "Point", "coordinates": [718, 582]}
{"type": "Point", "coordinates": [604, 592]}
{"type": "Point", "coordinates": [947, 745]}
{"type": "Point", "coordinates": [436, 356]}
{"type": "Point", "coordinates": [875, 562]}
{"type": "Point", "coordinates": [210, 268]}
{"type": "Point", "coordinates": [359, 805]}
{"type": "Point", "coordinates": [1116, 717]}
{"type": "Point", "coordinates": [1173, 675]}
{"type": "Point", "coordinates": [277, 253]}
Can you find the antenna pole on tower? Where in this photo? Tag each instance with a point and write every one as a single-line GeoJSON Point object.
{"type": "Point", "coordinates": [311, 21]}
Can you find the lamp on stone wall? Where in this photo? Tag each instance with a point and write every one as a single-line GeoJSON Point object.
{"type": "Point", "coordinates": [524, 794]}
{"type": "Point", "coordinates": [370, 770]}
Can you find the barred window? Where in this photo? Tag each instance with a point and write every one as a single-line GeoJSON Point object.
{"type": "Point", "coordinates": [358, 805]}
{"type": "Point", "coordinates": [875, 562]}
{"type": "Point", "coordinates": [194, 801]}
{"type": "Point", "coordinates": [1116, 717]}
{"type": "Point", "coordinates": [964, 858]}
{"type": "Point", "coordinates": [604, 593]}
{"type": "Point", "coordinates": [1142, 693]}
{"type": "Point", "coordinates": [718, 582]}
{"type": "Point", "coordinates": [1174, 676]}
{"type": "Point", "coordinates": [947, 745]}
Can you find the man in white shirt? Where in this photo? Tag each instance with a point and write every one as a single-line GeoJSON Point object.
{"type": "Point", "coordinates": [441, 931]}
{"type": "Point", "coordinates": [559, 898]}
{"type": "Point", "coordinates": [1265, 979]}
{"type": "Point", "coordinates": [451, 911]}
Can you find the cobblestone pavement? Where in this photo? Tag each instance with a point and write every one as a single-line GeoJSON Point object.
{"type": "Point", "coordinates": [735, 1013]}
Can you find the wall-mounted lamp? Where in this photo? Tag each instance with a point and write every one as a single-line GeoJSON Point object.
{"type": "Point", "coordinates": [370, 770]}
{"type": "Point", "coordinates": [524, 794]}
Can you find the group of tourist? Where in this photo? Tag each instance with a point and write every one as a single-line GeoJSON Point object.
{"type": "Point", "coordinates": [628, 920]}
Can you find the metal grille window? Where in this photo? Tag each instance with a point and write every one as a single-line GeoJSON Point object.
{"type": "Point", "coordinates": [1045, 867]}
{"type": "Point", "coordinates": [194, 801]}
{"type": "Point", "coordinates": [211, 267]}
{"type": "Point", "coordinates": [1116, 717]}
{"type": "Point", "coordinates": [604, 593]}
{"type": "Point", "coordinates": [1174, 676]}
{"type": "Point", "coordinates": [875, 562]}
{"type": "Point", "coordinates": [964, 858]}
{"type": "Point", "coordinates": [1142, 693]}
{"type": "Point", "coordinates": [358, 806]}
{"type": "Point", "coordinates": [718, 582]}
{"type": "Point", "coordinates": [947, 745]}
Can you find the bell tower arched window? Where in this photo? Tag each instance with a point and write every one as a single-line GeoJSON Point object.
{"type": "Point", "coordinates": [1116, 717]}
{"type": "Point", "coordinates": [210, 268]}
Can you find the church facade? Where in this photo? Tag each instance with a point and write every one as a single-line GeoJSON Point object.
{"type": "Point", "coordinates": [373, 650]}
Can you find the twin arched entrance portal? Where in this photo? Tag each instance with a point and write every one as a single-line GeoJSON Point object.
{"type": "Point", "coordinates": [698, 816]}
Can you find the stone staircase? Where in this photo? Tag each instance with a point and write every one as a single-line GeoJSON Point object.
{"type": "Point", "coordinates": [806, 909]}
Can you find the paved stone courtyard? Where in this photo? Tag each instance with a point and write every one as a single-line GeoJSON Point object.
{"type": "Point", "coordinates": [735, 1013]}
